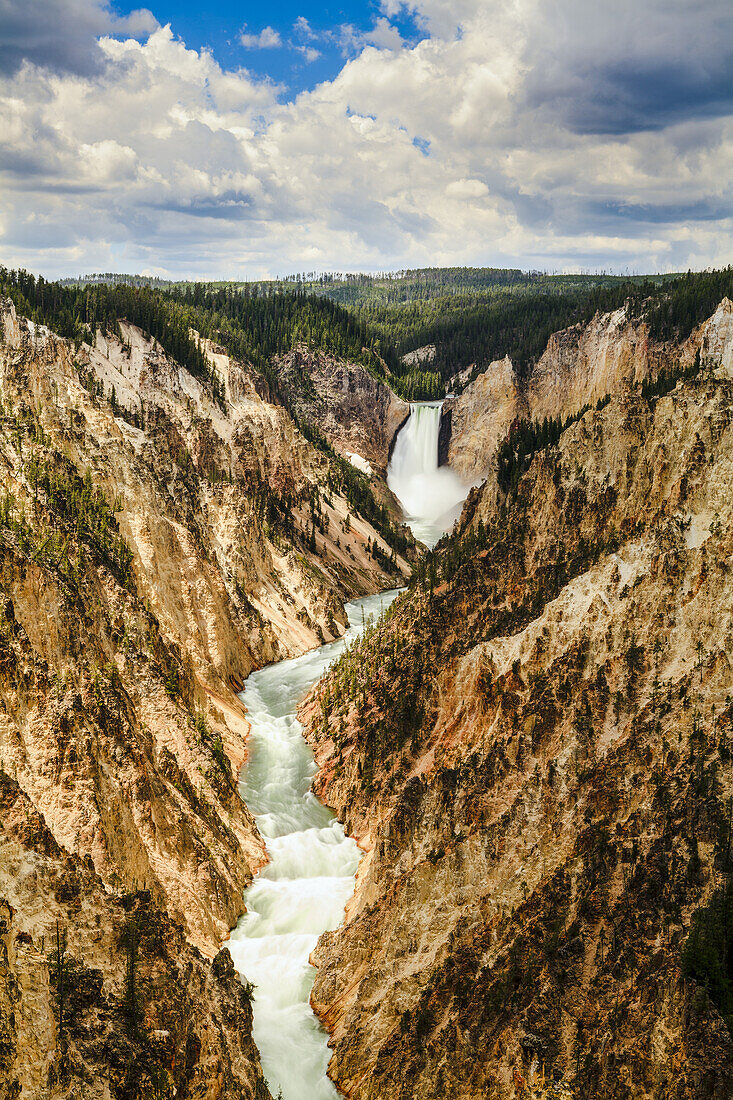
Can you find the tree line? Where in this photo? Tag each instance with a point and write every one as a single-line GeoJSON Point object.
{"type": "Point", "coordinates": [473, 316]}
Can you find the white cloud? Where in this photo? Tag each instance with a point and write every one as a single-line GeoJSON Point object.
{"type": "Point", "coordinates": [467, 189]}
{"type": "Point", "coordinates": [158, 158]}
{"type": "Point", "coordinates": [310, 53]}
{"type": "Point", "coordinates": [443, 18]}
{"type": "Point", "coordinates": [267, 39]}
{"type": "Point", "coordinates": [384, 36]}
{"type": "Point", "coordinates": [303, 29]}
{"type": "Point", "coordinates": [137, 23]}
{"type": "Point", "coordinates": [106, 162]}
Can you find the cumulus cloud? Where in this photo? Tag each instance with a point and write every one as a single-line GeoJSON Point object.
{"type": "Point", "coordinates": [62, 35]}
{"type": "Point", "coordinates": [384, 35]}
{"type": "Point", "coordinates": [467, 189]}
{"type": "Point", "coordinates": [521, 134]}
{"type": "Point", "coordinates": [137, 24]}
{"type": "Point", "coordinates": [267, 39]}
{"type": "Point", "coordinates": [441, 18]}
{"type": "Point", "coordinates": [351, 40]}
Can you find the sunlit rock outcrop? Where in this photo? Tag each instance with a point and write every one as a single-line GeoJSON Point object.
{"type": "Point", "coordinates": [535, 749]}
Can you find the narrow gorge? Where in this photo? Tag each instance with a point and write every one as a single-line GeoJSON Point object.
{"type": "Point", "coordinates": [309, 879]}
{"type": "Point", "coordinates": [352, 743]}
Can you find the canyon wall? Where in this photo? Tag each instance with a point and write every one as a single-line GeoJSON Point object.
{"type": "Point", "coordinates": [158, 541]}
{"type": "Point", "coordinates": [212, 502]}
{"type": "Point", "coordinates": [534, 749]}
{"type": "Point", "coordinates": [579, 366]}
{"type": "Point", "coordinates": [356, 412]}
{"type": "Point", "coordinates": [127, 1008]}
{"type": "Point", "coordinates": [479, 419]}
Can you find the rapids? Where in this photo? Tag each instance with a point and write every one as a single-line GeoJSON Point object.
{"type": "Point", "coordinates": [431, 495]}
{"type": "Point", "coordinates": [303, 890]}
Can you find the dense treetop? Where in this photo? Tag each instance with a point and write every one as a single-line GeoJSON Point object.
{"type": "Point", "coordinates": [472, 315]}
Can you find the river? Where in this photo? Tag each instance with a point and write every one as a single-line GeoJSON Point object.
{"type": "Point", "coordinates": [304, 889]}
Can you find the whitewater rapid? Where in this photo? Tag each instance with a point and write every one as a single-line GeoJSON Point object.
{"type": "Point", "coordinates": [431, 495]}
{"type": "Point", "coordinates": [304, 889]}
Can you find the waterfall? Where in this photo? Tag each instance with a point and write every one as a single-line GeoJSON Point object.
{"type": "Point", "coordinates": [431, 495]}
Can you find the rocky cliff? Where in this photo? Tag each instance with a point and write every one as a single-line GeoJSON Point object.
{"type": "Point", "coordinates": [158, 545]}
{"type": "Point", "coordinates": [100, 994]}
{"type": "Point", "coordinates": [579, 366]}
{"type": "Point", "coordinates": [355, 411]}
{"type": "Point", "coordinates": [535, 750]}
{"type": "Point", "coordinates": [159, 538]}
{"type": "Point", "coordinates": [479, 418]}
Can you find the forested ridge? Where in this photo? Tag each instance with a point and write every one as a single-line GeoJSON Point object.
{"type": "Point", "coordinates": [474, 327]}
{"type": "Point", "coordinates": [253, 324]}
{"type": "Point", "coordinates": [472, 316]}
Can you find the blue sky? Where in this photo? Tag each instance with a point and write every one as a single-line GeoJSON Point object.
{"type": "Point", "coordinates": [288, 64]}
{"type": "Point", "coordinates": [237, 141]}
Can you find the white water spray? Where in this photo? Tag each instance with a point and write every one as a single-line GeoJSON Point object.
{"type": "Point", "coordinates": [302, 892]}
{"type": "Point", "coordinates": [431, 495]}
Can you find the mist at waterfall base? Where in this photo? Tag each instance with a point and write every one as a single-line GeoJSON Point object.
{"type": "Point", "coordinates": [303, 890]}
{"type": "Point", "coordinates": [431, 495]}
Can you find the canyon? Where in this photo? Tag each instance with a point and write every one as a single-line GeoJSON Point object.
{"type": "Point", "coordinates": [532, 747]}
{"type": "Point", "coordinates": [157, 545]}
{"type": "Point", "coordinates": [578, 368]}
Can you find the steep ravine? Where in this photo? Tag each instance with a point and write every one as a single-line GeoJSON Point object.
{"type": "Point", "coordinates": [535, 751]}
{"type": "Point", "coordinates": [309, 878]}
{"type": "Point", "coordinates": [156, 545]}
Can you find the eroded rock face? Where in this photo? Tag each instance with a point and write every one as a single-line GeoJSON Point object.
{"type": "Point", "coordinates": [356, 412]}
{"type": "Point", "coordinates": [156, 546]}
{"type": "Point", "coordinates": [535, 751]}
{"type": "Point", "coordinates": [480, 418]}
{"type": "Point", "coordinates": [716, 339]}
{"type": "Point", "coordinates": [141, 1012]}
{"type": "Point", "coordinates": [579, 366]}
{"type": "Point", "coordinates": [423, 356]}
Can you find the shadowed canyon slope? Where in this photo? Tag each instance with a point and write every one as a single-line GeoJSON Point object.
{"type": "Point", "coordinates": [158, 543]}
{"type": "Point", "coordinates": [359, 414]}
{"type": "Point", "coordinates": [535, 749]}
